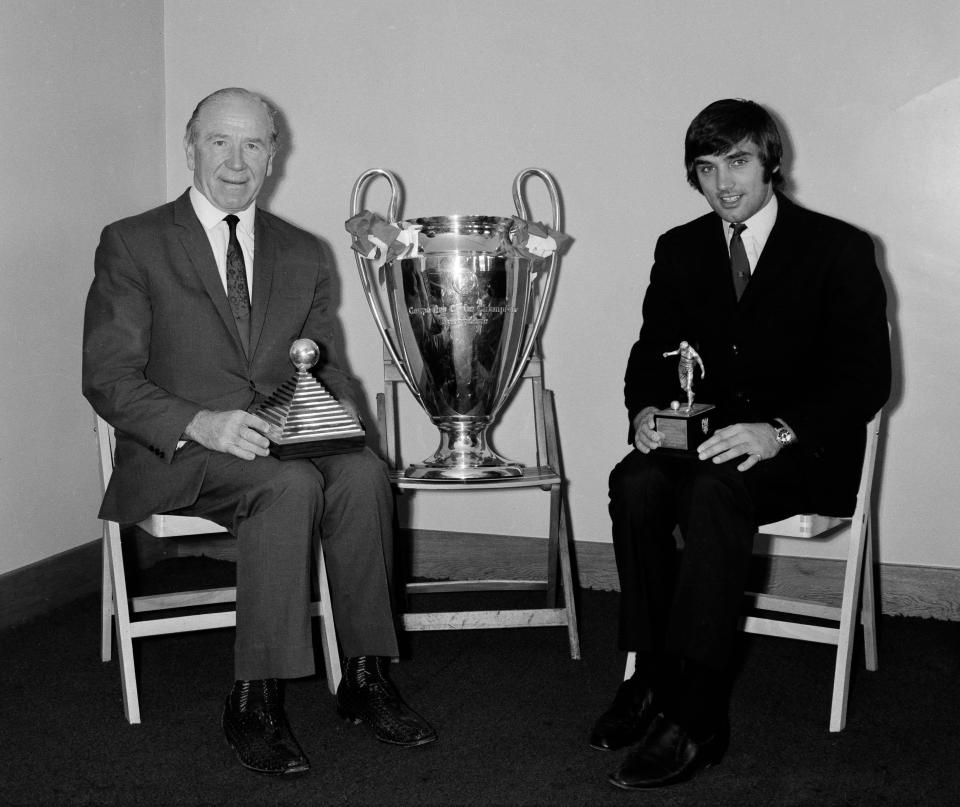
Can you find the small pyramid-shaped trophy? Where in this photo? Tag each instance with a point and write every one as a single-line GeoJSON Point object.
{"type": "Point", "coordinates": [313, 423]}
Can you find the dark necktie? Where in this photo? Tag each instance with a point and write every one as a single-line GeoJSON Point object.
{"type": "Point", "coordinates": [739, 265]}
{"type": "Point", "coordinates": [237, 291]}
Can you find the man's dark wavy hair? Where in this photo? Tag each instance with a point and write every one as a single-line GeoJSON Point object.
{"type": "Point", "coordinates": [723, 124]}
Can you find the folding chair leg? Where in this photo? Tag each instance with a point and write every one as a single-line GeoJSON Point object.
{"type": "Point", "coordinates": [131, 703]}
{"type": "Point", "coordinates": [328, 633]}
{"type": "Point", "coordinates": [566, 573]}
{"type": "Point", "coordinates": [848, 624]}
{"type": "Point", "coordinates": [106, 601]}
{"type": "Point", "coordinates": [553, 548]}
{"type": "Point", "coordinates": [868, 614]}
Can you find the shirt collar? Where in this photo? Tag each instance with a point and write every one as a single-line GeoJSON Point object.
{"type": "Point", "coordinates": [759, 224]}
{"type": "Point", "coordinates": [210, 215]}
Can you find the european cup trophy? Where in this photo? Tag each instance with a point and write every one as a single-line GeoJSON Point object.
{"type": "Point", "coordinates": [459, 303]}
{"type": "Point", "coordinates": [312, 422]}
{"type": "Point", "coordinates": [684, 426]}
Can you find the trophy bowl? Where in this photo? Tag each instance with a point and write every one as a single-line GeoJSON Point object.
{"type": "Point", "coordinates": [459, 312]}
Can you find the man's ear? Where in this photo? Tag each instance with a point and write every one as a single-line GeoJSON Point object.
{"type": "Point", "coordinates": [188, 149]}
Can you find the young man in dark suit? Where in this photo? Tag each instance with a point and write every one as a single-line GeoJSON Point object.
{"type": "Point", "coordinates": [188, 324]}
{"type": "Point", "coordinates": [788, 314]}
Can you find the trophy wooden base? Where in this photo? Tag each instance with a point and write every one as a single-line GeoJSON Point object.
{"type": "Point", "coordinates": [683, 429]}
{"type": "Point", "coordinates": [316, 448]}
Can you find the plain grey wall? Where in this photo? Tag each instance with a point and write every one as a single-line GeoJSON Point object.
{"type": "Point", "coordinates": [81, 89]}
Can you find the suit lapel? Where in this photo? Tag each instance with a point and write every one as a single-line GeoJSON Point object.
{"type": "Point", "coordinates": [264, 262]}
{"type": "Point", "coordinates": [781, 250]}
{"type": "Point", "coordinates": [196, 245]}
{"type": "Point", "coordinates": [715, 260]}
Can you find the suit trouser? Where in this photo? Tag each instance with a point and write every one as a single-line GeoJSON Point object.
{"type": "Point", "coordinates": [688, 605]}
{"type": "Point", "coordinates": [276, 509]}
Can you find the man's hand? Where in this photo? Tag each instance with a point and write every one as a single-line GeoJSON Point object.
{"type": "Point", "coordinates": [645, 436]}
{"type": "Point", "coordinates": [757, 440]}
{"type": "Point", "coordinates": [236, 432]}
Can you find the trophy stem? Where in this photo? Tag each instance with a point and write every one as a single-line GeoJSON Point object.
{"type": "Point", "coordinates": [464, 455]}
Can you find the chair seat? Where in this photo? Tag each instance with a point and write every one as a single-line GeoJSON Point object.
{"type": "Point", "coordinates": [537, 476]}
{"type": "Point", "coordinates": [805, 525]}
{"type": "Point", "coordinates": [166, 526]}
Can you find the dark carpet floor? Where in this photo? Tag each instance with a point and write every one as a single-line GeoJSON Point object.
{"type": "Point", "coordinates": [512, 709]}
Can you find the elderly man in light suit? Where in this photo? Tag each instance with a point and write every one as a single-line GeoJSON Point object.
{"type": "Point", "coordinates": [188, 324]}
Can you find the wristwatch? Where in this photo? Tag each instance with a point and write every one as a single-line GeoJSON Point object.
{"type": "Point", "coordinates": [784, 436]}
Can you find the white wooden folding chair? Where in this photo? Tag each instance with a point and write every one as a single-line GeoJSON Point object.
{"type": "Point", "coordinates": [545, 474]}
{"type": "Point", "coordinates": [858, 570]}
{"type": "Point", "coordinates": [117, 605]}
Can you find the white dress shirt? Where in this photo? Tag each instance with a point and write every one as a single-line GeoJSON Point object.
{"type": "Point", "coordinates": [218, 233]}
{"type": "Point", "coordinates": [758, 230]}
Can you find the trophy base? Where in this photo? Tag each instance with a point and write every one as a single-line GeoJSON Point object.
{"type": "Point", "coordinates": [463, 455]}
{"type": "Point", "coordinates": [683, 429]}
{"type": "Point", "coordinates": [305, 449]}
{"type": "Point", "coordinates": [457, 474]}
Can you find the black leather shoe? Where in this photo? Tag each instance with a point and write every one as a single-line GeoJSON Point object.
{"type": "Point", "coordinates": [627, 720]}
{"type": "Point", "coordinates": [375, 700]}
{"type": "Point", "coordinates": [256, 727]}
{"type": "Point", "coordinates": [668, 756]}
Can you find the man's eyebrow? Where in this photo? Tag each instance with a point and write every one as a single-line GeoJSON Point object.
{"type": "Point", "coordinates": [221, 136]}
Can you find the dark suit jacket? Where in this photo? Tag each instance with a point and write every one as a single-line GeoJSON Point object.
{"type": "Point", "coordinates": [160, 342]}
{"type": "Point", "coordinates": [807, 342]}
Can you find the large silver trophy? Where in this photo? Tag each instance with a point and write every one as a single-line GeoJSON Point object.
{"type": "Point", "coordinates": [459, 303]}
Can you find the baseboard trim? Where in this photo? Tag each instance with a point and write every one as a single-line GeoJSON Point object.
{"type": "Point", "coordinates": [919, 591]}
{"type": "Point", "coordinates": [59, 580]}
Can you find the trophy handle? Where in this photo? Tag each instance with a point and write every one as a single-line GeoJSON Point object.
{"type": "Point", "coordinates": [371, 289]}
{"type": "Point", "coordinates": [531, 337]}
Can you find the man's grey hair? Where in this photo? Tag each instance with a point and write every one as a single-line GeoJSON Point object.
{"type": "Point", "coordinates": [190, 137]}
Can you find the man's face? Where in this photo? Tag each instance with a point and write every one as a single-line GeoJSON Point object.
{"type": "Point", "coordinates": [733, 182]}
{"type": "Point", "coordinates": [232, 154]}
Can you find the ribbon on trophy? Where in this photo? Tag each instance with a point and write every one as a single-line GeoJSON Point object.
{"type": "Point", "coordinates": [380, 241]}
{"type": "Point", "coordinates": [533, 239]}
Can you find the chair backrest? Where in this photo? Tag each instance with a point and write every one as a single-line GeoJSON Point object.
{"type": "Point", "coordinates": [814, 525]}
{"type": "Point", "coordinates": [865, 490]}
